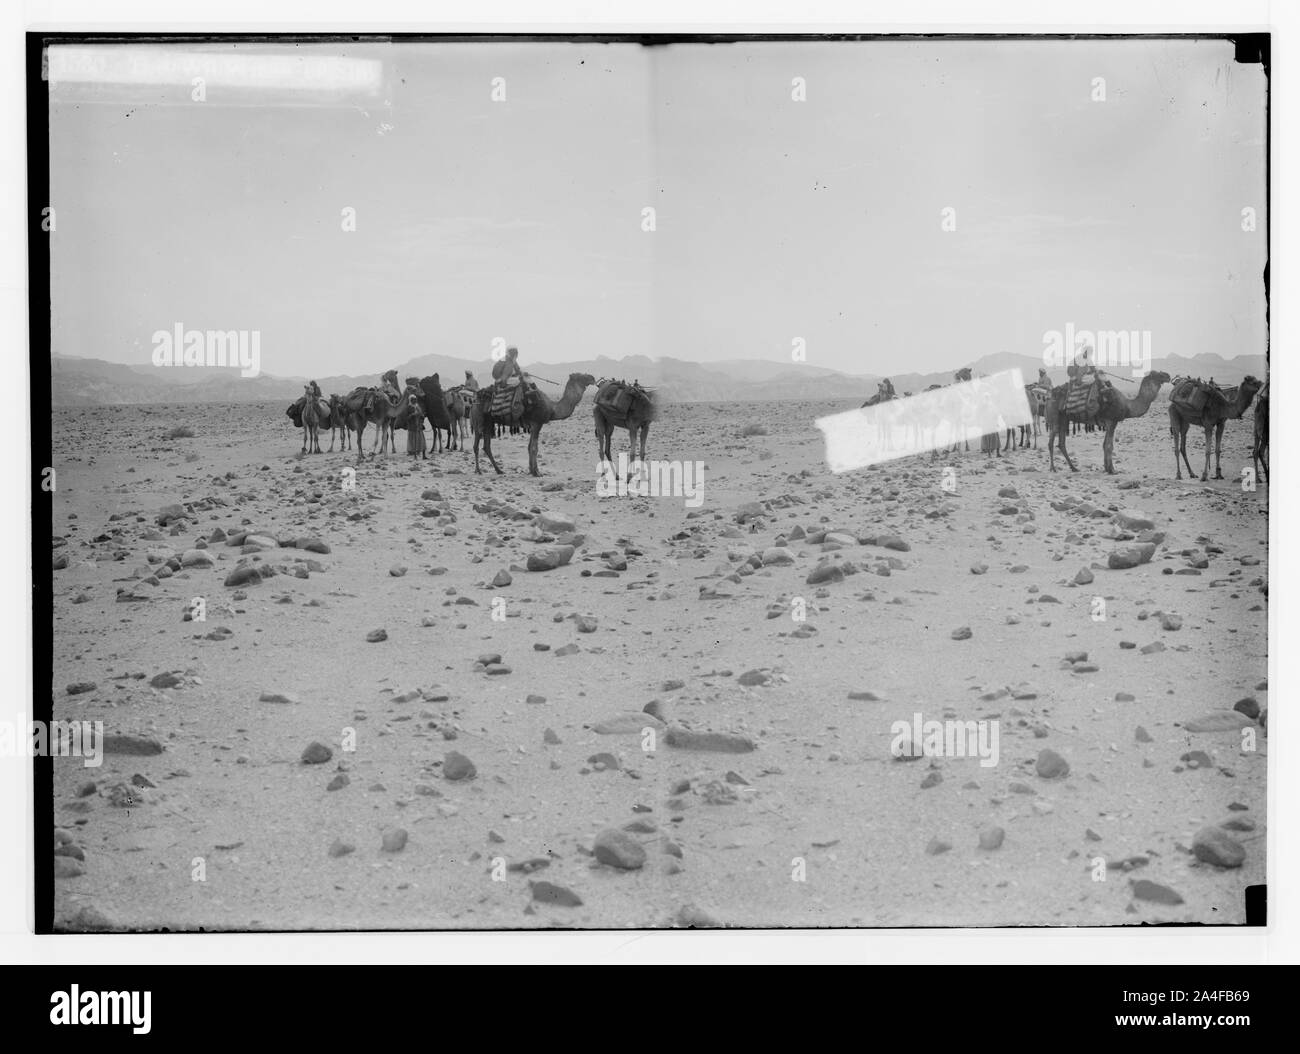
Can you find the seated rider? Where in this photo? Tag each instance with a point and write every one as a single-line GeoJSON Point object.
{"type": "Point", "coordinates": [508, 373]}
{"type": "Point", "coordinates": [885, 389]}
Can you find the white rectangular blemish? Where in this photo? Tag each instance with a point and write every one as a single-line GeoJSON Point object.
{"type": "Point", "coordinates": [930, 421]}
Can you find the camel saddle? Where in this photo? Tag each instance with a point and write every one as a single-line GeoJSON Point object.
{"type": "Point", "coordinates": [323, 411]}
{"type": "Point", "coordinates": [1083, 397]}
{"type": "Point", "coordinates": [1192, 395]}
{"type": "Point", "coordinates": [506, 401]}
{"type": "Point", "coordinates": [618, 396]}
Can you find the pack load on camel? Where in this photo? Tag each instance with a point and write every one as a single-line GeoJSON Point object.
{"type": "Point", "coordinates": [1083, 397]}
{"type": "Point", "coordinates": [294, 412]}
{"type": "Point", "coordinates": [1193, 394]}
{"type": "Point", "coordinates": [511, 392]}
{"type": "Point", "coordinates": [619, 397]}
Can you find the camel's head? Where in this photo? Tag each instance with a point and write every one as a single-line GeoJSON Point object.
{"type": "Point", "coordinates": [584, 379]}
{"type": "Point", "coordinates": [1159, 376]}
{"type": "Point", "coordinates": [1252, 384]}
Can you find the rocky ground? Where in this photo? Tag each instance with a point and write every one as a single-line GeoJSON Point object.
{"type": "Point", "coordinates": [350, 739]}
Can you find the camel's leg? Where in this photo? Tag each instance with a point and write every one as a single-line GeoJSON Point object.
{"type": "Point", "coordinates": [1065, 453]}
{"type": "Point", "coordinates": [534, 435]}
{"type": "Point", "coordinates": [1180, 446]}
{"type": "Point", "coordinates": [1218, 449]}
{"type": "Point", "coordinates": [1209, 442]}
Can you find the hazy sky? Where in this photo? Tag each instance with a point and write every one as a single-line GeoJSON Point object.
{"type": "Point", "coordinates": [775, 219]}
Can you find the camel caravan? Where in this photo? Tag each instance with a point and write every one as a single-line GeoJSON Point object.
{"type": "Point", "coordinates": [1089, 400]}
{"type": "Point", "coordinates": [513, 404]}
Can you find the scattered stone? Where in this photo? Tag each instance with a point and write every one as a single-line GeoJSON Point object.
{"type": "Point", "coordinates": [1247, 706]}
{"type": "Point", "coordinates": [618, 849]}
{"type": "Point", "coordinates": [961, 633]}
{"type": "Point", "coordinates": [720, 742]}
{"type": "Point", "coordinates": [1213, 845]}
{"type": "Point", "coordinates": [550, 893]}
{"type": "Point", "coordinates": [1131, 555]}
{"type": "Point", "coordinates": [394, 840]}
{"type": "Point", "coordinates": [936, 846]}
{"type": "Point", "coordinates": [277, 697]}
{"type": "Point", "coordinates": [1153, 892]}
{"type": "Point", "coordinates": [316, 753]}
{"type": "Point", "coordinates": [127, 744]}
{"type": "Point", "coordinates": [1218, 721]}
{"type": "Point", "coordinates": [456, 766]}
{"type": "Point", "coordinates": [550, 559]}
{"type": "Point", "coordinates": [630, 723]}
{"type": "Point", "coordinates": [826, 571]}
{"type": "Point", "coordinates": [992, 838]}
{"type": "Point", "coordinates": [341, 848]}
{"type": "Point", "coordinates": [1051, 765]}
{"type": "Point", "coordinates": [375, 636]}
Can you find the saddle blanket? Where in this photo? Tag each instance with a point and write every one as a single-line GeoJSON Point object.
{"type": "Point", "coordinates": [507, 401]}
{"type": "Point", "coordinates": [1082, 398]}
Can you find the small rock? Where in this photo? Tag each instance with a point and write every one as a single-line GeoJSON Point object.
{"type": "Point", "coordinates": [617, 849]}
{"type": "Point", "coordinates": [1213, 845]}
{"type": "Point", "coordinates": [456, 766]}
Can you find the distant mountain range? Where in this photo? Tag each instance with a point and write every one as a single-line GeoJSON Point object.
{"type": "Point", "coordinates": [94, 382]}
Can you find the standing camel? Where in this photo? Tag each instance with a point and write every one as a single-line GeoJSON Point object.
{"type": "Point", "coordinates": [310, 422]}
{"type": "Point", "coordinates": [1213, 417]}
{"type": "Point", "coordinates": [1036, 397]}
{"type": "Point", "coordinates": [458, 402]}
{"type": "Point", "coordinates": [435, 409]}
{"type": "Point", "coordinates": [640, 413]}
{"type": "Point", "coordinates": [1259, 450]}
{"type": "Point", "coordinates": [383, 412]}
{"type": "Point", "coordinates": [341, 420]}
{"type": "Point", "coordinates": [538, 411]}
{"type": "Point", "coordinates": [1113, 408]}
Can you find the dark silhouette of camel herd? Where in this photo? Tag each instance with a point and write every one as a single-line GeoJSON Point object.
{"type": "Point", "coordinates": [466, 407]}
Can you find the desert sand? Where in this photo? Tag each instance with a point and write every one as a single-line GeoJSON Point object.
{"type": "Point", "coordinates": [686, 611]}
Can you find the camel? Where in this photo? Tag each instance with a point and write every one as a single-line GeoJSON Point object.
{"type": "Point", "coordinates": [1114, 407]}
{"type": "Point", "coordinates": [342, 420]}
{"type": "Point", "coordinates": [382, 412]}
{"type": "Point", "coordinates": [1037, 399]}
{"type": "Point", "coordinates": [538, 411]}
{"type": "Point", "coordinates": [458, 402]}
{"type": "Point", "coordinates": [1213, 417]}
{"type": "Point", "coordinates": [1259, 449]}
{"type": "Point", "coordinates": [637, 420]}
{"type": "Point", "coordinates": [310, 422]}
{"type": "Point", "coordinates": [435, 409]}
